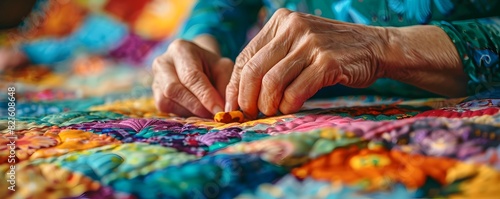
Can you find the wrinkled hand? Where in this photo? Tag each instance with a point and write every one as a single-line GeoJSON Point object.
{"type": "Point", "coordinates": [189, 80]}
{"type": "Point", "coordinates": [297, 54]}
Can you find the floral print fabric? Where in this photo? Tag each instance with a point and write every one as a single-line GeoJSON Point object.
{"type": "Point", "coordinates": [353, 146]}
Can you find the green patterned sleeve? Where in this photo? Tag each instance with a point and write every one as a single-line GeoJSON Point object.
{"type": "Point", "coordinates": [477, 41]}
{"type": "Point", "coordinates": [227, 20]}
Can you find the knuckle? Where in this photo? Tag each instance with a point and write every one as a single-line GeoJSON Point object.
{"type": "Point", "coordinates": [271, 81]}
{"type": "Point", "coordinates": [240, 60]}
{"type": "Point", "coordinates": [291, 96]}
{"type": "Point", "coordinates": [191, 77]}
{"type": "Point", "coordinates": [282, 12]}
{"type": "Point", "coordinates": [178, 44]}
{"type": "Point", "coordinates": [157, 65]}
{"type": "Point", "coordinates": [294, 17]}
{"type": "Point", "coordinates": [251, 69]}
{"type": "Point", "coordinates": [325, 59]}
{"type": "Point", "coordinates": [296, 23]}
{"type": "Point", "coordinates": [296, 20]}
{"type": "Point", "coordinates": [243, 58]}
{"type": "Point", "coordinates": [172, 90]}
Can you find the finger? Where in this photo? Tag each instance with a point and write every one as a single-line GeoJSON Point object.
{"type": "Point", "coordinates": [167, 105]}
{"type": "Point", "coordinates": [310, 81]}
{"type": "Point", "coordinates": [260, 40]}
{"type": "Point", "coordinates": [253, 72]}
{"type": "Point", "coordinates": [222, 73]}
{"type": "Point", "coordinates": [277, 79]}
{"type": "Point", "coordinates": [232, 93]}
{"type": "Point", "coordinates": [190, 70]}
{"type": "Point", "coordinates": [171, 96]}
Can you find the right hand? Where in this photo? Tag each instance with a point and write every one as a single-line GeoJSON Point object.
{"type": "Point", "coordinates": [190, 80]}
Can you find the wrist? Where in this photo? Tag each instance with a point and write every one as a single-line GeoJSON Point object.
{"type": "Point", "coordinates": [424, 56]}
{"type": "Point", "coordinates": [208, 42]}
{"type": "Point", "coordinates": [400, 57]}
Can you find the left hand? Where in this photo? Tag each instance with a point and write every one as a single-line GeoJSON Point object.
{"type": "Point", "coordinates": [10, 58]}
{"type": "Point", "coordinates": [297, 54]}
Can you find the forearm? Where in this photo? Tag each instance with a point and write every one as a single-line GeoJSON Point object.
{"type": "Point", "coordinates": [424, 56]}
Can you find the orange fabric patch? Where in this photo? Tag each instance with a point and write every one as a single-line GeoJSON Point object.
{"type": "Point", "coordinates": [352, 165]}
{"type": "Point", "coordinates": [229, 117]}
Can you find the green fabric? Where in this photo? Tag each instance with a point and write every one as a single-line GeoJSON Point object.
{"type": "Point", "coordinates": [477, 42]}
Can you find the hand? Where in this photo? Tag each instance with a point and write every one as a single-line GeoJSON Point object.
{"type": "Point", "coordinates": [297, 54]}
{"type": "Point", "coordinates": [189, 79]}
{"type": "Point", "coordinates": [10, 58]}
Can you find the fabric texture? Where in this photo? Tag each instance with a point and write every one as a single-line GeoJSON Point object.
{"type": "Point", "coordinates": [117, 145]}
{"type": "Point", "coordinates": [93, 131]}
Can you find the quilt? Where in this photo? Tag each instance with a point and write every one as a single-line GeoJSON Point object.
{"type": "Point", "coordinates": [81, 123]}
{"type": "Point", "coordinates": [61, 139]}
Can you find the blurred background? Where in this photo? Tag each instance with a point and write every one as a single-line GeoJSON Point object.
{"type": "Point", "coordinates": [64, 49]}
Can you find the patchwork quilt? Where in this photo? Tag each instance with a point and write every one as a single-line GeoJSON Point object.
{"type": "Point", "coordinates": [61, 139]}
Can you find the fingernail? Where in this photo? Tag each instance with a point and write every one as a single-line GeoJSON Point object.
{"type": "Point", "coordinates": [217, 109]}
{"type": "Point", "coordinates": [228, 107]}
